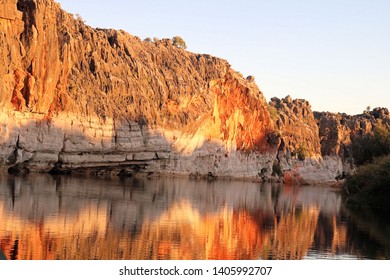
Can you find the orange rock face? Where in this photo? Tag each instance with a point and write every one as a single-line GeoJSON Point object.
{"type": "Point", "coordinates": [33, 66]}
{"type": "Point", "coordinates": [297, 127]}
{"type": "Point", "coordinates": [58, 73]}
{"type": "Point", "coordinates": [240, 114]}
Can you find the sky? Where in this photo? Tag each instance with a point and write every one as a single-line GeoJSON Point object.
{"type": "Point", "coordinates": [333, 53]}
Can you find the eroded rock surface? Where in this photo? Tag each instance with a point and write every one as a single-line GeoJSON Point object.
{"type": "Point", "coordinates": [297, 127]}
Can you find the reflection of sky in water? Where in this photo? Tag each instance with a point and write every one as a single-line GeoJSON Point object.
{"type": "Point", "coordinates": [44, 217]}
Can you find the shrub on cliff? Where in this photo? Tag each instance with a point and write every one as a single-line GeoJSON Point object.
{"type": "Point", "coordinates": [302, 152]}
{"type": "Point", "coordinates": [273, 112]}
{"type": "Point", "coordinates": [365, 148]}
{"type": "Point", "coordinates": [370, 185]}
{"type": "Point", "coordinates": [179, 42]}
{"type": "Point", "coordinates": [79, 18]}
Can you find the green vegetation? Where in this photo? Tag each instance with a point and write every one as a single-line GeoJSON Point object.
{"type": "Point", "coordinates": [79, 18]}
{"type": "Point", "coordinates": [179, 42]}
{"type": "Point", "coordinates": [370, 186]}
{"type": "Point", "coordinates": [273, 112]}
{"type": "Point", "coordinates": [365, 148]}
{"type": "Point", "coordinates": [302, 152]}
{"type": "Point", "coordinates": [276, 170]}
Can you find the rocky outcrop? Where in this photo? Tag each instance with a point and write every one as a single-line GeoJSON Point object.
{"type": "Point", "coordinates": [74, 97]}
{"type": "Point", "coordinates": [338, 131]}
{"type": "Point", "coordinates": [297, 127]}
{"type": "Point", "coordinates": [299, 158]}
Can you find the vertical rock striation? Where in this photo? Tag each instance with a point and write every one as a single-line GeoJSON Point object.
{"type": "Point", "coordinates": [298, 129]}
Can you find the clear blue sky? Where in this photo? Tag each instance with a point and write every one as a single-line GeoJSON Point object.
{"type": "Point", "coordinates": [335, 54]}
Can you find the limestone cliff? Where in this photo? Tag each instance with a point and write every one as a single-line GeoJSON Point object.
{"type": "Point", "coordinates": [76, 97]}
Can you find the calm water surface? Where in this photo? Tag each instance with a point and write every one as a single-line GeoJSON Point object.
{"type": "Point", "coordinates": [64, 217]}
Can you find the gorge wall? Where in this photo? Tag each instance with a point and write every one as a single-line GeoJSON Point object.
{"type": "Point", "coordinates": [74, 98]}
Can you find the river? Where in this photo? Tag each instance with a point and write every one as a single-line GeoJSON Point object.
{"type": "Point", "coordinates": [68, 217]}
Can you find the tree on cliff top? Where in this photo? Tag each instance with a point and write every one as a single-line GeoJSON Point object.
{"type": "Point", "coordinates": [78, 17]}
{"type": "Point", "coordinates": [179, 42]}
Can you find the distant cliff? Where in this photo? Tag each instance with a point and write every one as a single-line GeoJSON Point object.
{"type": "Point", "coordinates": [78, 99]}
{"type": "Point", "coordinates": [338, 131]}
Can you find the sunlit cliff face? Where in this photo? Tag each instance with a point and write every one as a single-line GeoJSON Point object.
{"type": "Point", "coordinates": [237, 120]}
{"type": "Point", "coordinates": [241, 115]}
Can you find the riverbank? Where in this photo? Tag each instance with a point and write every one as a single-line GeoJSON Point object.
{"type": "Point", "coordinates": [370, 186]}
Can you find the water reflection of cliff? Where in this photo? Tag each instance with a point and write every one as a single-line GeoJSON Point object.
{"type": "Point", "coordinates": [226, 235]}
{"type": "Point", "coordinates": [181, 233]}
{"type": "Point", "coordinates": [43, 217]}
